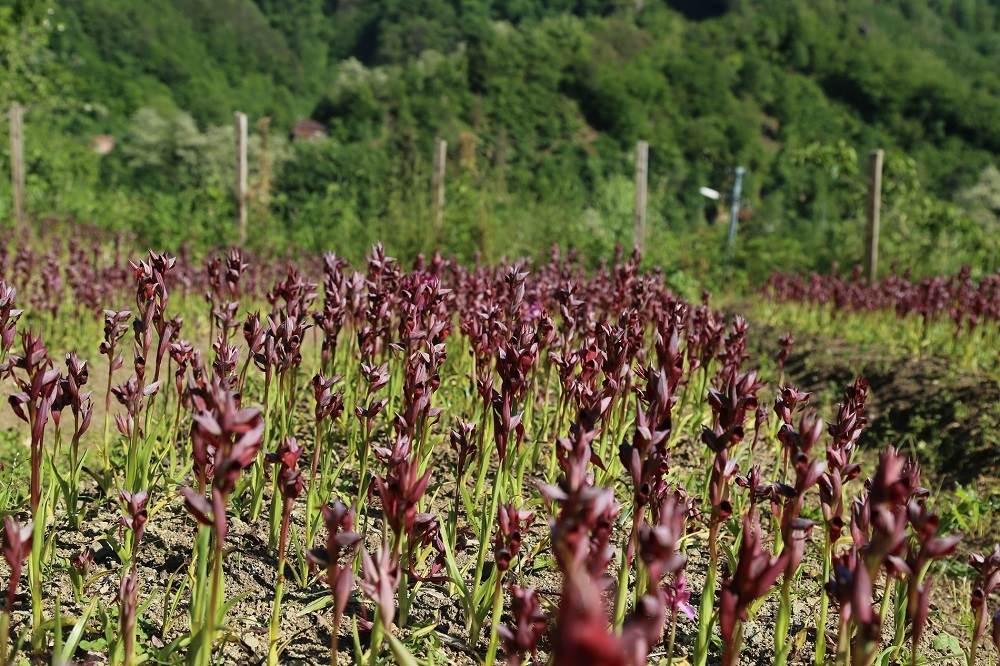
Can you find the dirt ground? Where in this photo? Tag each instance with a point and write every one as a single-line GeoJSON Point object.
{"type": "Point", "coordinates": [948, 418]}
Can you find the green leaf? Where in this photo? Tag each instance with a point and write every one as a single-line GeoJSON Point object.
{"type": "Point", "coordinates": [79, 465]}
{"type": "Point", "coordinates": [948, 644]}
{"type": "Point", "coordinates": [884, 658]}
{"type": "Point", "coordinates": [456, 575]}
{"type": "Point", "coordinates": [484, 595]}
{"type": "Point", "coordinates": [399, 651]}
{"type": "Point", "coordinates": [57, 630]}
{"type": "Point", "coordinates": [315, 605]}
{"type": "Point", "coordinates": [63, 483]}
{"type": "Point", "coordinates": [69, 648]}
{"type": "Point", "coordinates": [467, 500]}
{"type": "Point", "coordinates": [356, 640]}
{"type": "Point", "coordinates": [96, 645]}
{"type": "Point", "coordinates": [423, 631]}
{"type": "Point", "coordinates": [228, 606]}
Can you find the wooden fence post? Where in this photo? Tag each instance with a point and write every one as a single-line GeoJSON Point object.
{"type": "Point", "coordinates": [437, 180]}
{"type": "Point", "coordinates": [17, 161]}
{"type": "Point", "coordinates": [874, 213]}
{"type": "Point", "coordinates": [641, 184]}
{"type": "Point", "coordinates": [241, 174]}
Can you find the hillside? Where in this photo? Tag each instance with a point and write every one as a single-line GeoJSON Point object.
{"type": "Point", "coordinates": [541, 102]}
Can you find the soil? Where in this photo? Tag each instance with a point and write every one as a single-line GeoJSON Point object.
{"type": "Point", "coordinates": [947, 418]}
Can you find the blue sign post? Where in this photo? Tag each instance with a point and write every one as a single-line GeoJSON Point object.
{"type": "Point", "coordinates": [734, 210]}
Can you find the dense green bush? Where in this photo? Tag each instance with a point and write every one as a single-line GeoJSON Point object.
{"type": "Point", "coordinates": [541, 103]}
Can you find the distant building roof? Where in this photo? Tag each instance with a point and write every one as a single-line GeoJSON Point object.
{"type": "Point", "coordinates": [308, 129]}
{"type": "Point", "coordinates": [102, 144]}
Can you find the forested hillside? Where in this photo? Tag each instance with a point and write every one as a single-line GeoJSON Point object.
{"type": "Point", "coordinates": [541, 102]}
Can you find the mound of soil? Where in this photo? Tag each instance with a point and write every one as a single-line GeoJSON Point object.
{"type": "Point", "coordinates": [947, 417]}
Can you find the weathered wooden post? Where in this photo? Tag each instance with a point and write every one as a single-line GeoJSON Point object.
{"type": "Point", "coordinates": [17, 161]}
{"type": "Point", "coordinates": [641, 183]}
{"type": "Point", "coordinates": [437, 180]}
{"type": "Point", "coordinates": [874, 212]}
{"type": "Point", "coordinates": [241, 174]}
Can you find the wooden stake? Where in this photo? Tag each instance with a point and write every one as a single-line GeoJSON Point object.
{"type": "Point", "coordinates": [437, 181]}
{"type": "Point", "coordinates": [17, 161]}
{"type": "Point", "coordinates": [241, 174]}
{"type": "Point", "coordinates": [641, 182]}
{"type": "Point", "coordinates": [874, 212]}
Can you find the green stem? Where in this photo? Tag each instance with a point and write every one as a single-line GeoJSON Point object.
{"type": "Point", "coordinates": [707, 598]}
{"type": "Point", "coordinates": [404, 600]}
{"type": "Point", "coordinates": [107, 412]}
{"type": "Point", "coordinates": [781, 646]}
{"type": "Point", "coordinates": [4, 636]}
{"type": "Point", "coordinates": [214, 602]}
{"type": "Point", "coordinates": [621, 594]}
{"type": "Point", "coordinates": [731, 653]}
{"type": "Point", "coordinates": [673, 635]}
{"type": "Point", "coordinates": [824, 606]}
{"type": "Point", "coordinates": [363, 474]}
{"type": "Point", "coordinates": [376, 640]}
{"type": "Point", "coordinates": [491, 652]}
{"type": "Point", "coordinates": [485, 532]}
{"type": "Point", "coordinates": [279, 588]}
{"type": "Point", "coordinates": [899, 618]}
{"type": "Point", "coordinates": [74, 482]}
{"type": "Point", "coordinates": [197, 611]}
{"type": "Point", "coordinates": [843, 642]}
{"type": "Point", "coordinates": [257, 501]}
{"type": "Point", "coordinates": [626, 568]}
{"type": "Point", "coordinates": [973, 642]}
{"type": "Point", "coordinates": [35, 575]}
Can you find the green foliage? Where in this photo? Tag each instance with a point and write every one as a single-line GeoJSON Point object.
{"type": "Point", "coordinates": [541, 103]}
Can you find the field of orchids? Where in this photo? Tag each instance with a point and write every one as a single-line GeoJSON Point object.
{"type": "Point", "coordinates": [956, 315]}
{"type": "Point", "coordinates": [238, 460]}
